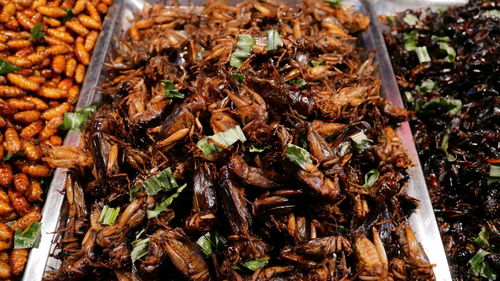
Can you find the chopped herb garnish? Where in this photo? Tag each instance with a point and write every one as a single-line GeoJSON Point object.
{"type": "Point", "coordinates": [370, 178]}
{"type": "Point", "coordinates": [298, 82]}
{"type": "Point", "coordinates": [9, 155]}
{"type": "Point", "coordinates": [426, 87]}
{"type": "Point", "coordinates": [479, 266]}
{"type": "Point", "coordinates": [441, 38]}
{"type": "Point", "coordinates": [494, 175]}
{"type": "Point", "coordinates": [227, 138]}
{"type": "Point", "coordinates": [450, 106]}
{"type": "Point", "coordinates": [410, 19]}
{"type": "Point", "coordinates": [361, 141]}
{"type": "Point", "coordinates": [239, 77]}
{"type": "Point", "coordinates": [163, 180]}
{"type": "Point", "coordinates": [410, 40]}
{"type": "Point", "coordinates": [243, 50]}
{"type": "Point", "coordinates": [258, 149]}
{"type": "Point", "coordinates": [36, 32]}
{"type": "Point", "coordinates": [163, 206]}
{"type": "Point", "coordinates": [482, 239]}
{"type": "Point", "coordinates": [317, 62]}
{"type": "Point", "coordinates": [210, 242]}
{"type": "Point", "coordinates": [422, 54]}
{"type": "Point", "coordinates": [68, 16]}
{"type": "Point", "coordinates": [133, 193]}
{"type": "Point", "coordinates": [450, 52]}
{"type": "Point", "coordinates": [76, 120]}
{"type": "Point", "coordinates": [171, 91]}
{"type": "Point", "coordinates": [273, 40]}
{"type": "Point", "coordinates": [444, 147]}
{"type": "Point", "coordinates": [409, 96]}
{"type": "Point", "coordinates": [29, 237]}
{"type": "Point", "coordinates": [298, 155]}
{"type": "Point", "coordinates": [6, 67]}
{"type": "Point", "coordinates": [492, 14]}
{"type": "Point", "coordinates": [334, 2]}
{"type": "Point", "coordinates": [109, 215]}
{"type": "Point", "coordinates": [255, 264]}
{"type": "Point", "coordinates": [140, 248]}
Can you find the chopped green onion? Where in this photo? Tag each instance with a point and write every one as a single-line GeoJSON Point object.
{"type": "Point", "coordinates": [370, 178]}
{"type": "Point", "coordinates": [76, 120]}
{"type": "Point", "coordinates": [410, 40]}
{"type": "Point", "coordinates": [163, 206]}
{"type": "Point", "coordinates": [361, 141]}
{"type": "Point", "coordinates": [6, 67]}
{"type": "Point", "coordinates": [410, 19]}
{"type": "Point", "coordinates": [441, 38]}
{"type": "Point", "coordinates": [239, 77]}
{"type": "Point", "coordinates": [211, 241]}
{"type": "Point", "coordinates": [317, 62]}
{"type": "Point", "coordinates": [171, 91]}
{"type": "Point", "coordinates": [494, 175]}
{"type": "Point", "coordinates": [36, 32]}
{"type": "Point", "coordinates": [133, 193]}
{"type": "Point", "coordinates": [68, 16]}
{"type": "Point", "coordinates": [441, 104]}
{"type": "Point", "coordinates": [226, 138]}
{"type": "Point", "coordinates": [140, 248]}
{"type": "Point", "coordinates": [9, 155]}
{"type": "Point", "coordinates": [479, 266]}
{"type": "Point", "coordinates": [450, 52]}
{"type": "Point", "coordinates": [258, 149]}
{"type": "Point", "coordinates": [243, 50]}
{"type": "Point", "coordinates": [298, 82]}
{"type": "Point", "coordinates": [444, 147]}
{"type": "Point", "coordinates": [426, 87]}
{"type": "Point", "coordinates": [255, 264]}
{"type": "Point", "coordinates": [482, 238]}
{"type": "Point", "coordinates": [109, 215]}
{"type": "Point", "coordinates": [163, 180]}
{"type": "Point", "coordinates": [409, 96]}
{"type": "Point", "coordinates": [422, 54]}
{"type": "Point", "coordinates": [297, 155]}
{"type": "Point", "coordinates": [29, 237]}
{"type": "Point", "coordinates": [442, 11]}
{"type": "Point", "coordinates": [273, 40]}
{"type": "Point", "coordinates": [334, 2]}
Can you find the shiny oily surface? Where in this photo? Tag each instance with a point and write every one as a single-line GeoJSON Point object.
{"type": "Point", "coordinates": [296, 218]}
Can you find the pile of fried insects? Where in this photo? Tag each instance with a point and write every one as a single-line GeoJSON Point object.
{"type": "Point", "coordinates": [447, 64]}
{"type": "Point", "coordinates": [243, 142]}
{"type": "Point", "coordinates": [45, 48]}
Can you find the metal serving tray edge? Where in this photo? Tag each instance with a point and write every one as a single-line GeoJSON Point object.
{"type": "Point", "coordinates": [423, 221]}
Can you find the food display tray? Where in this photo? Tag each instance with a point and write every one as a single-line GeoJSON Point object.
{"type": "Point", "coordinates": [423, 222]}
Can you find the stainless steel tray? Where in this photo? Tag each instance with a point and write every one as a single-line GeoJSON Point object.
{"type": "Point", "coordinates": [423, 221]}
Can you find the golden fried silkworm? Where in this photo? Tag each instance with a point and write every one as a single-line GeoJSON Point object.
{"type": "Point", "coordinates": [35, 170]}
{"type": "Point", "coordinates": [11, 92]}
{"type": "Point", "coordinates": [52, 22]}
{"type": "Point", "coordinates": [22, 82]}
{"type": "Point", "coordinates": [54, 12]}
{"type": "Point", "coordinates": [59, 64]}
{"type": "Point", "coordinates": [90, 40]}
{"type": "Point", "coordinates": [58, 49]}
{"type": "Point", "coordinates": [61, 35]}
{"type": "Point", "coordinates": [5, 174]}
{"type": "Point", "coordinates": [32, 129]}
{"type": "Point", "coordinates": [21, 183]}
{"type": "Point", "coordinates": [79, 6]}
{"type": "Point", "coordinates": [24, 20]}
{"type": "Point", "coordinates": [31, 151]}
{"type": "Point", "coordinates": [73, 93]}
{"type": "Point", "coordinates": [51, 128]}
{"type": "Point", "coordinates": [70, 67]}
{"type": "Point", "coordinates": [89, 22]}
{"type": "Point", "coordinates": [77, 27]}
{"type": "Point", "coordinates": [6, 237]}
{"type": "Point", "coordinates": [21, 104]}
{"type": "Point", "coordinates": [52, 93]}
{"type": "Point", "coordinates": [26, 220]}
{"type": "Point", "coordinates": [19, 61]}
{"type": "Point", "coordinates": [40, 104]}
{"type": "Point", "coordinates": [12, 143]}
{"type": "Point", "coordinates": [26, 117]}
{"type": "Point", "coordinates": [17, 260]}
{"type": "Point", "coordinates": [81, 54]}
{"type": "Point", "coordinates": [19, 44]}
{"type": "Point", "coordinates": [80, 73]}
